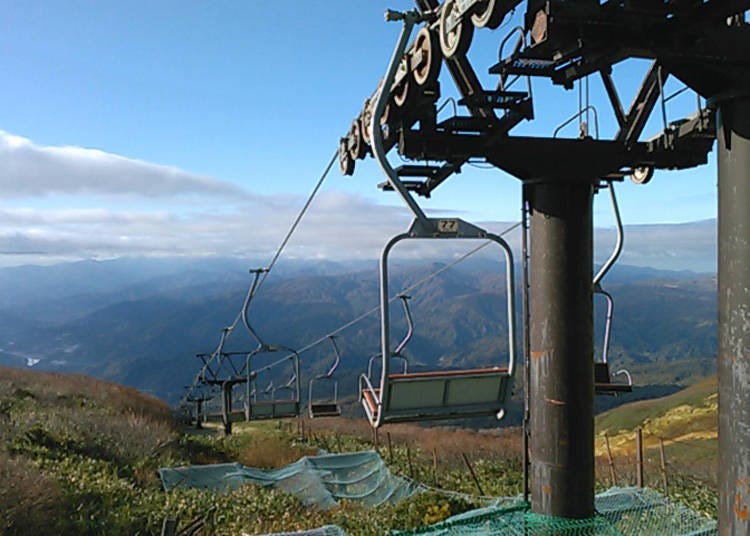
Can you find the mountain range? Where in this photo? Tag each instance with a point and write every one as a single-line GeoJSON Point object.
{"type": "Point", "coordinates": [141, 321]}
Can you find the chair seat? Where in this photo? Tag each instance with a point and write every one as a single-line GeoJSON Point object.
{"type": "Point", "coordinates": [612, 388]}
{"type": "Point", "coordinates": [273, 409]}
{"type": "Point", "coordinates": [603, 381]}
{"type": "Point", "coordinates": [324, 410]}
{"type": "Point", "coordinates": [447, 373]}
{"type": "Point", "coordinates": [443, 394]}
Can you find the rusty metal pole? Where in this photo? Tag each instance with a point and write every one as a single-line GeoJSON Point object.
{"type": "Point", "coordinates": [734, 316]}
{"type": "Point", "coordinates": [562, 370]}
{"type": "Point", "coordinates": [198, 414]}
{"type": "Point", "coordinates": [226, 409]}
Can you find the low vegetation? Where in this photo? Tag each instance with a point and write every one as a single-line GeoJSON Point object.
{"type": "Point", "coordinates": [80, 456]}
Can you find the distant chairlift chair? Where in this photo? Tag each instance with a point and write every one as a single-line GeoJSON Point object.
{"type": "Point", "coordinates": [325, 407]}
{"type": "Point", "coordinates": [222, 373]}
{"type": "Point", "coordinates": [274, 405]}
{"type": "Point", "coordinates": [445, 394]}
{"type": "Point", "coordinates": [603, 384]}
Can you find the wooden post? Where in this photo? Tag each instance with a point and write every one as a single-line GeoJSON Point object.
{"type": "Point", "coordinates": [434, 467]}
{"type": "Point", "coordinates": [612, 475]}
{"type": "Point", "coordinates": [663, 460]}
{"type": "Point", "coordinates": [639, 458]}
{"type": "Point", "coordinates": [473, 474]}
{"type": "Point", "coordinates": [390, 447]}
{"type": "Point", "coordinates": [408, 461]}
{"type": "Point", "coordinates": [169, 526]}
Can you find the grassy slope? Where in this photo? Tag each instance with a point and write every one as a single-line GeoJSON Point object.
{"type": "Point", "coordinates": [688, 415]}
{"type": "Point", "coordinates": [82, 455]}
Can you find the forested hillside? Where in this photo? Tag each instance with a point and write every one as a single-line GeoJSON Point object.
{"type": "Point", "coordinates": [141, 323]}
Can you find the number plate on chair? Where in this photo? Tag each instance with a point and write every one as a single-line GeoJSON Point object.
{"type": "Point", "coordinates": [447, 226]}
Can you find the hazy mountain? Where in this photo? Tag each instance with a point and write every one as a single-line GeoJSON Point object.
{"type": "Point", "coordinates": [141, 322]}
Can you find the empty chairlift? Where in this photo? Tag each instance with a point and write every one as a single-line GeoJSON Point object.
{"type": "Point", "coordinates": [443, 394]}
{"type": "Point", "coordinates": [281, 397]}
{"type": "Point", "coordinates": [603, 384]}
{"type": "Point", "coordinates": [328, 406]}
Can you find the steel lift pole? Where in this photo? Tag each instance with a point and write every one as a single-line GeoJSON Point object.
{"type": "Point", "coordinates": [734, 315]}
{"type": "Point", "coordinates": [562, 371]}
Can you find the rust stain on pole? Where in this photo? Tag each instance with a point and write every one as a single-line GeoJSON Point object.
{"type": "Point", "coordinates": [561, 368]}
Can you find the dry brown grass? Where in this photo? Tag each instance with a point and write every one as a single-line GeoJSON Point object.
{"type": "Point", "coordinates": [448, 442]}
{"type": "Point", "coordinates": [30, 502]}
{"type": "Point", "coordinates": [272, 452]}
{"type": "Point", "coordinates": [79, 390]}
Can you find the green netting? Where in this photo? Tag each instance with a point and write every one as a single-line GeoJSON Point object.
{"type": "Point", "coordinates": [322, 481]}
{"type": "Point", "coordinates": [646, 512]}
{"type": "Point", "coordinates": [317, 480]}
{"type": "Point", "coordinates": [620, 512]}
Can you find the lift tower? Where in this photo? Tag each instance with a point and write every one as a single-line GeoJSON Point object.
{"type": "Point", "coordinates": [702, 43]}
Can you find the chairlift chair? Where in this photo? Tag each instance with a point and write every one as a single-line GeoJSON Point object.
{"type": "Point", "coordinates": [603, 384]}
{"type": "Point", "coordinates": [329, 406]}
{"type": "Point", "coordinates": [212, 408]}
{"type": "Point", "coordinates": [274, 406]}
{"type": "Point", "coordinates": [443, 394]}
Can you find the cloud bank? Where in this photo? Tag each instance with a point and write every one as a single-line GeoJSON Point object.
{"type": "Point", "coordinates": [31, 170]}
{"type": "Point", "coordinates": [225, 220]}
{"type": "Point", "coordinates": [338, 227]}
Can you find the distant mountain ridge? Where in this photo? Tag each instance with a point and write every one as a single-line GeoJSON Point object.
{"type": "Point", "coordinates": [141, 322]}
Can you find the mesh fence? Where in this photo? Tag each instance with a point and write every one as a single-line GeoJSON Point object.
{"type": "Point", "coordinates": [327, 530]}
{"type": "Point", "coordinates": [317, 480]}
{"type": "Point", "coordinates": [620, 512]}
{"type": "Point", "coordinates": [363, 477]}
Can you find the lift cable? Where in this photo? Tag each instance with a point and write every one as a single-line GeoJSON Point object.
{"type": "Point", "coordinates": [216, 354]}
{"type": "Point", "coordinates": [298, 219]}
{"type": "Point", "coordinates": [254, 289]}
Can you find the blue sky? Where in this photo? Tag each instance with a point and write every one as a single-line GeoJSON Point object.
{"type": "Point", "coordinates": [179, 128]}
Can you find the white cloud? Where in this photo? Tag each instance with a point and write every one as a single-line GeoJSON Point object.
{"type": "Point", "coordinates": [684, 246]}
{"type": "Point", "coordinates": [338, 225]}
{"type": "Point", "coordinates": [30, 170]}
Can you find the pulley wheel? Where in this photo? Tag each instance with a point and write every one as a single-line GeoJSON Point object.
{"type": "Point", "coordinates": [400, 92]}
{"type": "Point", "coordinates": [642, 175]}
{"type": "Point", "coordinates": [487, 14]}
{"type": "Point", "coordinates": [455, 34]}
{"type": "Point", "coordinates": [426, 59]}
{"type": "Point", "coordinates": [357, 148]}
{"type": "Point", "coordinates": [346, 163]}
{"type": "Point", "coordinates": [386, 113]}
{"type": "Point", "coordinates": [365, 122]}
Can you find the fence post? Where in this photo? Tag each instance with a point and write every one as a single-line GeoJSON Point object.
{"type": "Point", "coordinates": [663, 460]}
{"type": "Point", "coordinates": [612, 474]}
{"type": "Point", "coordinates": [639, 457]}
{"type": "Point", "coordinates": [434, 467]}
{"type": "Point", "coordinates": [473, 474]}
{"type": "Point", "coordinates": [169, 526]}
{"type": "Point", "coordinates": [408, 460]}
